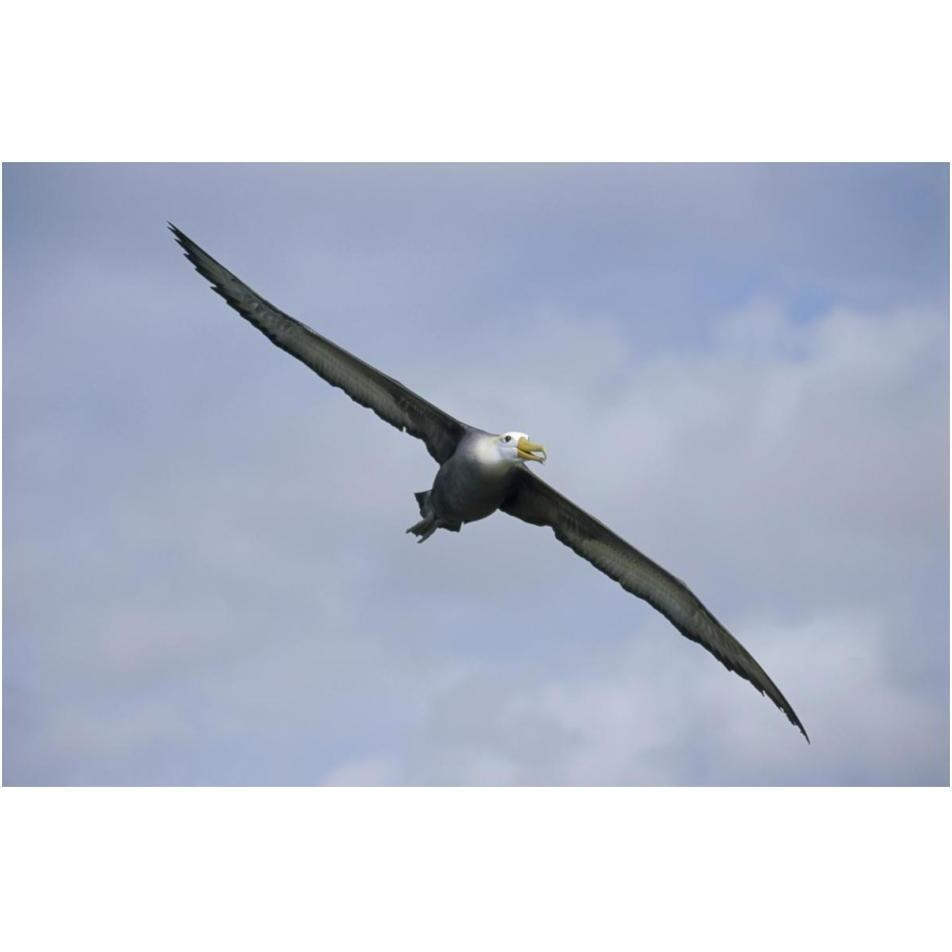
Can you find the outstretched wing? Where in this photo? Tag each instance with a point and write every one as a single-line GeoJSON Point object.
{"type": "Point", "coordinates": [536, 502]}
{"type": "Point", "coordinates": [366, 385]}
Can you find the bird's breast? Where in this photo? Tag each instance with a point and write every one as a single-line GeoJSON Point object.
{"type": "Point", "coordinates": [467, 488]}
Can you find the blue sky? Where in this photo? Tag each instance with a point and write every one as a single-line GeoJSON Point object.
{"type": "Point", "coordinates": [741, 369]}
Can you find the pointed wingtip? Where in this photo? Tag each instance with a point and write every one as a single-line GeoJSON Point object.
{"type": "Point", "coordinates": [792, 717]}
{"type": "Point", "coordinates": [193, 252]}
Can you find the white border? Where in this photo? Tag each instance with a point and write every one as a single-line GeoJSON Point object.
{"type": "Point", "coordinates": [522, 81]}
{"type": "Point", "coordinates": [476, 869]}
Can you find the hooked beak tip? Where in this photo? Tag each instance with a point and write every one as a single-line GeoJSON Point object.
{"type": "Point", "coordinates": [531, 452]}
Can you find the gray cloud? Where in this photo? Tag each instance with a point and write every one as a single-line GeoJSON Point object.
{"type": "Point", "coordinates": [742, 370]}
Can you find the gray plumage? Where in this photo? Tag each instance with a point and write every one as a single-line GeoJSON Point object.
{"type": "Point", "coordinates": [481, 473]}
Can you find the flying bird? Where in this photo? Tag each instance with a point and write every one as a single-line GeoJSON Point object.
{"type": "Point", "coordinates": [483, 472]}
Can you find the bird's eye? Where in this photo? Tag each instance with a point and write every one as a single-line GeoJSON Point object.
{"type": "Point", "coordinates": [508, 439]}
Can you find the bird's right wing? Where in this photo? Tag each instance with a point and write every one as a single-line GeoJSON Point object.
{"type": "Point", "coordinates": [536, 502]}
{"type": "Point", "coordinates": [366, 385]}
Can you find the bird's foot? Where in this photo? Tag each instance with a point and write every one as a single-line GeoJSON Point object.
{"type": "Point", "coordinates": [424, 529]}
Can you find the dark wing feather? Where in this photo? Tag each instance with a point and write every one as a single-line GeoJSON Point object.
{"type": "Point", "coordinates": [536, 502]}
{"type": "Point", "coordinates": [388, 398]}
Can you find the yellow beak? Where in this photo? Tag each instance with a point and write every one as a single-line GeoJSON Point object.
{"type": "Point", "coordinates": [528, 450]}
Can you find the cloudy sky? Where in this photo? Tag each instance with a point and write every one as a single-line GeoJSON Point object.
{"type": "Point", "coordinates": [742, 369]}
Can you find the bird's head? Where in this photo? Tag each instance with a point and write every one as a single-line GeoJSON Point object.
{"type": "Point", "coordinates": [517, 447]}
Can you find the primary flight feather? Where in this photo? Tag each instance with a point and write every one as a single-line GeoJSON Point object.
{"type": "Point", "coordinates": [482, 472]}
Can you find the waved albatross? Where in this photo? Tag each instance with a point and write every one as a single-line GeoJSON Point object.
{"type": "Point", "coordinates": [481, 472]}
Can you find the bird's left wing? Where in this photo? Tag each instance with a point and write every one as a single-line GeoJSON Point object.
{"type": "Point", "coordinates": [366, 385]}
{"type": "Point", "coordinates": [536, 502]}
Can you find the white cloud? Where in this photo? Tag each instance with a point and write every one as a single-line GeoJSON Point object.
{"type": "Point", "coordinates": [798, 470]}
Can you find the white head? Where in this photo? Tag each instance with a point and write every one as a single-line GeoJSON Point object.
{"type": "Point", "coordinates": [517, 447]}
